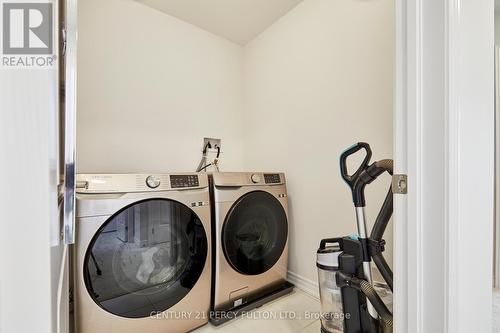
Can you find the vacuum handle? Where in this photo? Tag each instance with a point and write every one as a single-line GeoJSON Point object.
{"type": "Point", "coordinates": [356, 184]}
{"type": "Point", "coordinates": [351, 179]}
{"type": "Point", "coordinates": [322, 244]}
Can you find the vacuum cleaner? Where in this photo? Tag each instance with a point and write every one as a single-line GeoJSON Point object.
{"type": "Point", "coordinates": [349, 301]}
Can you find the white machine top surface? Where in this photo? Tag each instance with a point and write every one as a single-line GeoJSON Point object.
{"type": "Point", "coordinates": [127, 183]}
{"type": "Point", "coordinates": [248, 178]}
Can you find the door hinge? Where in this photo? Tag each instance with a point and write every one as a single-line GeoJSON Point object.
{"type": "Point", "coordinates": [63, 41]}
{"type": "Point", "coordinates": [400, 184]}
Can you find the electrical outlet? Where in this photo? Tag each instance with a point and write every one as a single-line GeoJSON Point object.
{"type": "Point", "coordinates": [214, 143]}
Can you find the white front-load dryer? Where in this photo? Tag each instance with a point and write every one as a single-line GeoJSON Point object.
{"type": "Point", "coordinates": [250, 253]}
{"type": "Point", "coordinates": [142, 260]}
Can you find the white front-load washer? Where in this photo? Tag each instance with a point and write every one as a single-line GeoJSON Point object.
{"type": "Point", "coordinates": [250, 231]}
{"type": "Point", "coordinates": [142, 260]}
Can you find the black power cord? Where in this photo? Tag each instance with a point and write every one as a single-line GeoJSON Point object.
{"type": "Point", "coordinates": [207, 146]}
{"type": "Point", "coordinates": [206, 166]}
{"type": "Point", "coordinates": [201, 166]}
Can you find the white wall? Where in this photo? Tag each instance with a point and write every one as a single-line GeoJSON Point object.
{"type": "Point", "coordinates": [318, 80]}
{"type": "Point", "coordinates": [150, 87]}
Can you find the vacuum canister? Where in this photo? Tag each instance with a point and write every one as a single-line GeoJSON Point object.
{"type": "Point", "coordinates": [332, 315]}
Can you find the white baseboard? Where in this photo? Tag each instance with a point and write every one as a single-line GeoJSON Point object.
{"type": "Point", "coordinates": [308, 286]}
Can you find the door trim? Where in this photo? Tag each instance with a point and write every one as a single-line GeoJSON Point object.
{"type": "Point", "coordinates": [470, 165]}
{"type": "Point", "coordinates": [444, 141]}
{"type": "Point", "coordinates": [496, 263]}
{"type": "Point", "coordinates": [407, 97]}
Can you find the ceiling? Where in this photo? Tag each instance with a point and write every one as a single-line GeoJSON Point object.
{"type": "Point", "coordinates": [236, 20]}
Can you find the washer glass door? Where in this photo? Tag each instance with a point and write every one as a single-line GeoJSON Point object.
{"type": "Point", "coordinates": [145, 258]}
{"type": "Point", "coordinates": [254, 233]}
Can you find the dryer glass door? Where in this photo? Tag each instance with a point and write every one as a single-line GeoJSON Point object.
{"type": "Point", "coordinates": [145, 258]}
{"type": "Point", "coordinates": [254, 233]}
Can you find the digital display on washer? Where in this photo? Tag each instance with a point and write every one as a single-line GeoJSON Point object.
{"type": "Point", "coordinates": [272, 178]}
{"type": "Point", "coordinates": [180, 181]}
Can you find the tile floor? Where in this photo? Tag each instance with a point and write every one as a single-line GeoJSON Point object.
{"type": "Point", "coordinates": [298, 304]}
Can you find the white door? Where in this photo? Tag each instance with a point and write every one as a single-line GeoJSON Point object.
{"type": "Point", "coordinates": [444, 141]}
{"type": "Point", "coordinates": [33, 261]}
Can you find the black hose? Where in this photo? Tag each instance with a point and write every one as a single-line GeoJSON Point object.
{"type": "Point", "coordinates": [206, 166]}
{"type": "Point", "coordinates": [383, 268]}
{"type": "Point", "coordinates": [380, 225]}
{"type": "Point", "coordinates": [208, 145]}
{"type": "Point", "coordinates": [383, 217]}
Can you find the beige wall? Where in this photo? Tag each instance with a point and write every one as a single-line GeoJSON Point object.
{"type": "Point", "coordinates": [150, 87]}
{"type": "Point", "coordinates": [317, 81]}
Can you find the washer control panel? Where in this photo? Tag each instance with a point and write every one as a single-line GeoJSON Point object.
{"type": "Point", "coordinates": [129, 183]}
{"type": "Point", "coordinates": [272, 178]}
{"type": "Point", "coordinates": [181, 181]}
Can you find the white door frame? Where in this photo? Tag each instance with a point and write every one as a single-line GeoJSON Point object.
{"type": "Point", "coordinates": [444, 141]}
{"type": "Point", "coordinates": [496, 242]}
{"type": "Point", "coordinates": [31, 252]}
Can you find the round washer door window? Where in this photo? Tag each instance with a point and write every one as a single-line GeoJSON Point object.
{"type": "Point", "coordinates": [145, 258]}
{"type": "Point", "coordinates": [255, 232]}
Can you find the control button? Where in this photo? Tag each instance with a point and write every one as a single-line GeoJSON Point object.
{"type": "Point", "coordinates": [153, 181]}
{"type": "Point", "coordinates": [256, 178]}
{"type": "Point", "coordinates": [272, 178]}
{"type": "Point", "coordinates": [183, 181]}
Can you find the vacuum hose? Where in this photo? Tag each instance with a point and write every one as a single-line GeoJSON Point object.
{"type": "Point", "coordinates": [376, 301]}
{"type": "Point", "coordinates": [377, 233]}
{"type": "Point", "coordinates": [387, 165]}
{"type": "Point", "coordinates": [347, 280]}
{"type": "Point", "coordinates": [383, 218]}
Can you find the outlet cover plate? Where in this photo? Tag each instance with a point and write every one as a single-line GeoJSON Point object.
{"type": "Point", "coordinates": [214, 143]}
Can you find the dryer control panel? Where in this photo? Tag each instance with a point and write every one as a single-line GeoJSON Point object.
{"type": "Point", "coordinates": [239, 179]}
{"type": "Point", "coordinates": [272, 178]}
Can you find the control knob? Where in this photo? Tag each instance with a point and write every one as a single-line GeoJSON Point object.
{"type": "Point", "coordinates": [153, 181]}
{"type": "Point", "coordinates": [256, 178]}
